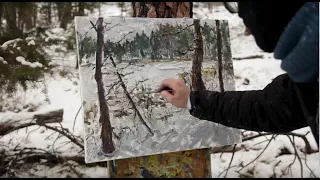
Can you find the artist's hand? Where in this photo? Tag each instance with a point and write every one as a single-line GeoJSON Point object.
{"type": "Point", "coordinates": [180, 92]}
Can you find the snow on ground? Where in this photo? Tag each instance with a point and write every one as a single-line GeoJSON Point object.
{"type": "Point", "coordinates": [260, 72]}
{"type": "Point", "coordinates": [63, 92]}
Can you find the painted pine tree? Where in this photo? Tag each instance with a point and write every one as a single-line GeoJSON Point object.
{"type": "Point", "coordinates": [106, 130]}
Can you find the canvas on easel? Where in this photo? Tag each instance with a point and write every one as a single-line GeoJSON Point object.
{"type": "Point", "coordinates": [122, 58]}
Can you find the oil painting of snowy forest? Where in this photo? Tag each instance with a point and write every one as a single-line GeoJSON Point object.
{"type": "Point", "coordinates": [42, 105]}
{"type": "Point", "coordinates": [122, 58]}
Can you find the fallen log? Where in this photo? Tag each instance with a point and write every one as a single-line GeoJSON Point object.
{"type": "Point", "coordinates": [10, 125]}
{"type": "Point", "coordinates": [49, 117]}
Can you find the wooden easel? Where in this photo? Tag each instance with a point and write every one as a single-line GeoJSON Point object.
{"type": "Point", "coordinates": [184, 164]}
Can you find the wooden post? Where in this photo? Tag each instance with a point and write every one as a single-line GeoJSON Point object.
{"type": "Point", "coordinates": [184, 164]}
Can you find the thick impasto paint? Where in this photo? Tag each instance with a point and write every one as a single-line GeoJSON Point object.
{"type": "Point", "coordinates": [121, 59]}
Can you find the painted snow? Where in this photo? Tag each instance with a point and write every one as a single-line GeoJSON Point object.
{"type": "Point", "coordinates": [174, 129]}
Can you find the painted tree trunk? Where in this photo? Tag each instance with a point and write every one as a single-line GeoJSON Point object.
{"type": "Point", "coordinates": [219, 52]}
{"type": "Point", "coordinates": [106, 130]}
{"type": "Point", "coordinates": [226, 48]}
{"type": "Point", "coordinates": [162, 9]}
{"type": "Point", "coordinates": [197, 82]}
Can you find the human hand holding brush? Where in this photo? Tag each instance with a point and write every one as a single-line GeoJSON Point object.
{"type": "Point", "coordinates": [175, 91]}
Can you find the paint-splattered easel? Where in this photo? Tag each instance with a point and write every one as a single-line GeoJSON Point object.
{"type": "Point", "coordinates": [185, 164]}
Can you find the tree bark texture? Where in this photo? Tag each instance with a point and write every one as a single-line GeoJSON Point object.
{"type": "Point", "coordinates": [197, 82]}
{"type": "Point", "coordinates": [226, 48]}
{"type": "Point", "coordinates": [106, 130]}
{"type": "Point", "coordinates": [219, 53]}
{"type": "Point", "coordinates": [162, 9]}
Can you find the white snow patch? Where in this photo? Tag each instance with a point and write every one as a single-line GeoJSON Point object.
{"type": "Point", "coordinates": [23, 61]}
{"type": "Point", "coordinates": [263, 170]}
{"type": "Point", "coordinates": [7, 43]}
{"type": "Point", "coordinates": [54, 37]}
{"type": "Point", "coordinates": [31, 43]}
{"type": "Point", "coordinates": [57, 30]}
{"type": "Point", "coordinates": [3, 61]}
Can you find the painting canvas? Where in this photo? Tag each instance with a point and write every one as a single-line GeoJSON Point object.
{"type": "Point", "coordinates": [122, 60]}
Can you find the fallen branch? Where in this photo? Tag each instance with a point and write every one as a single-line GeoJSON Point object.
{"type": "Point", "coordinates": [35, 155]}
{"type": "Point", "coordinates": [75, 118]}
{"type": "Point", "coordinates": [65, 132]}
{"type": "Point", "coordinates": [258, 155]}
{"type": "Point", "coordinates": [62, 131]}
{"type": "Point", "coordinates": [249, 57]}
{"type": "Point", "coordinates": [308, 146]}
{"type": "Point", "coordinates": [130, 99]}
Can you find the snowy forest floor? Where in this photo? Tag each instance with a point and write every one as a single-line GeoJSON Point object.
{"type": "Point", "coordinates": [277, 160]}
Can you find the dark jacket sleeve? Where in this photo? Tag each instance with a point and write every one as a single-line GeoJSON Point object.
{"type": "Point", "coordinates": [275, 109]}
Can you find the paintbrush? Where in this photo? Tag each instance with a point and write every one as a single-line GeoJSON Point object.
{"type": "Point", "coordinates": [166, 88]}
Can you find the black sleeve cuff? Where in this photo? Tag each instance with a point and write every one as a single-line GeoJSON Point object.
{"type": "Point", "coordinates": [195, 100]}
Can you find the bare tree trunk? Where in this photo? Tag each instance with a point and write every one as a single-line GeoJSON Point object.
{"type": "Point", "coordinates": [10, 15]}
{"type": "Point", "coordinates": [81, 8]}
{"type": "Point", "coordinates": [106, 129]}
{"type": "Point", "coordinates": [27, 15]}
{"type": "Point", "coordinates": [197, 83]}
{"type": "Point", "coordinates": [60, 6]}
{"type": "Point", "coordinates": [219, 49]}
{"type": "Point", "coordinates": [20, 15]}
{"type": "Point", "coordinates": [1, 13]}
{"type": "Point", "coordinates": [162, 9]}
{"type": "Point", "coordinates": [35, 11]}
{"type": "Point", "coordinates": [66, 14]}
{"type": "Point", "coordinates": [49, 12]}
{"type": "Point", "coordinates": [99, 9]}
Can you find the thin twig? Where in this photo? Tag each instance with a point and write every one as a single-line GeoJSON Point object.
{"type": "Point", "coordinates": [233, 151]}
{"type": "Point", "coordinates": [308, 146]}
{"type": "Point", "coordinates": [305, 161]}
{"type": "Point", "coordinates": [296, 154]}
{"type": "Point", "coordinates": [274, 168]}
{"type": "Point", "coordinates": [258, 155]}
{"type": "Point", "coordinates": [50, 135]}
{"type": "Point", "coordinates": [111, 87]}
{"type": "Point", "coordinates": [75, 118]}
{"type": "Point", "coordinates": [112, 27]}
{"type": "Point", "coordinates": [93, 25]}
{"type": "Point", "coordinates": [32, 131]}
